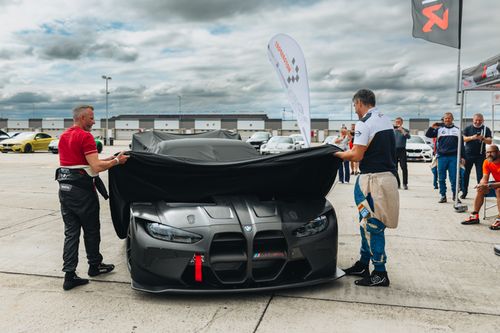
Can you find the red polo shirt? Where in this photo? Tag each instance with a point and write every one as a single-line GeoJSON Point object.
{"type": "Point", "coordinates": [74, 145]}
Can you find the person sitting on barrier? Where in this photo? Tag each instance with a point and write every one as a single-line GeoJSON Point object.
{"type": "Point", "coordinates": [491, 166]}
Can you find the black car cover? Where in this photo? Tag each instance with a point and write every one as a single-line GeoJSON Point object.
{"type": "Point", "coordinates": [145, 141]}
{"type": "Point", "coordinates": [189, 177]}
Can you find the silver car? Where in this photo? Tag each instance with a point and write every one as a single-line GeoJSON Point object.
{"type": "Point", "coordinates": [279, 144]}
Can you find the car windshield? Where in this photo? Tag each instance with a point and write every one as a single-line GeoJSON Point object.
{"type": "Point", "coordinates": [12, 134]}
{"type": "Point", "coordinates": [415, 139]}
{"type": "Point", "coordinates": [260, 136]}
{"type": "Point", "coordinates": [281, 139]}
{"type": "Point", "coordinates": [25, 135]}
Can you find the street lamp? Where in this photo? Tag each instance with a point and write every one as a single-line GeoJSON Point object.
{"type": "Point", "coordinates": [106, 138]}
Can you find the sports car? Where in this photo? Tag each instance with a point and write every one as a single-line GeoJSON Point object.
{"type": "Point", "coordinates": [54, 146]}
{"type": "Point", "coordinates": [279, 144]}
{"type": "Point", "coordinates": [418, 150]}
{"type": "Point", "coordinates": [26, 142]}
{"type": "Point", "coordinates": [217, 225]}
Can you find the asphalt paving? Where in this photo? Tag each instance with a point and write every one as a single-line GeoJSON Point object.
{"type": "Point", "coordinates": [444, 276]}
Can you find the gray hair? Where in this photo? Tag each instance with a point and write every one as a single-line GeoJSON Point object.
{"type": "Point", "coordinates": [78, 110]}
{"type": "Point", "coordinates": [365, 96]}
{"type": "Point", "coordinates": [479, 115]}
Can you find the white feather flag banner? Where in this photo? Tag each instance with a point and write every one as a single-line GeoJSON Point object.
{"type": "Point", "coordinates": [288, 61]}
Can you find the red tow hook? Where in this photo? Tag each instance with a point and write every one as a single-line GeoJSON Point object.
{"type": "Point", "coordinates": [198, 267]}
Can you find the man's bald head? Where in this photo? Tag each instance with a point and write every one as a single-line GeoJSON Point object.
{"type": "Point", "coordinates": [492, 153]}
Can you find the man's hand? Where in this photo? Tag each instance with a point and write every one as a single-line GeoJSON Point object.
{"type": "Point", "coordinates": [121, 157]}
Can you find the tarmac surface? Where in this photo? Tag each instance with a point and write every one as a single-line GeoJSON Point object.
{"type": "Point", "coordinates": [444, 276]}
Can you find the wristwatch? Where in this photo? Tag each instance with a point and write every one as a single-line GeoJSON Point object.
{"type": "Point", "coordinates": [117, 160]}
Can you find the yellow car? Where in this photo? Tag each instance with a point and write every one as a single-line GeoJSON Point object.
{"type": "Point", "coordinates": [26, 142]}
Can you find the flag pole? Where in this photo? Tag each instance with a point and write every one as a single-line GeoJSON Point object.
{"type": "Point", "coordinates": [459, 90]}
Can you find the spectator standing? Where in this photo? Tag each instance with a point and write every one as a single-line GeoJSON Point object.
{"type": "Point", "coordinates": [375, 191]}
{"type": "Point", "coordinates": [447, 135]}
{"type": "Point", "coordinates": [402, 134]}
{"type": "Point", "coordinates": [342, 141]}
{"type": "Point", "coordinates": [475, 138]}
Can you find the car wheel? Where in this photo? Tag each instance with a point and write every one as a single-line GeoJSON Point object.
{"type": "Point", "coordinates": [55, 151]}
{"type": "Point", "coordinates": [99, 148]}
{"type": "Point", "coordinates": [28, 148]}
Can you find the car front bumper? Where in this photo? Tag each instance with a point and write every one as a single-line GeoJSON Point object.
{"type": "Point", "coordinates": [268, 258]}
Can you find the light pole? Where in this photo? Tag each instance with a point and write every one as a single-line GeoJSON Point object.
{"type": "Point", "coordinates": [106, 138]}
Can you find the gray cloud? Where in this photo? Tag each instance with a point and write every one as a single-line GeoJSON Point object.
{"type": "Point", "coordinates": [26, 97]}
{"type": "Point", "coordinates": [203, 11]}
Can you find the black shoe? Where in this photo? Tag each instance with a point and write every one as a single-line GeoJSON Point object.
{"type": "Point", "coordinates": [95, 270]}
{"type": "Point", "coordinates": [458, 200]}
{"type": "Point", "coordinates": [405, 187]}
{"type": "Point", "coordinates": [463, 196]}
{"type": "Point", "coordinates": [442, 200]}
{"type": "Point", "coordinates": [497, 250]}
{"type": "Point", "coordinates": [359, 269]}
{"type": "Point", "coordinates": [71, 280]}
{"type": "Point", "coordinates": [376, 279]}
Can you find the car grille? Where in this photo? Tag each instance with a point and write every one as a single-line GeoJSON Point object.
{"type": "Point", "coordinates": [228, 257]}
{"type": "Point", "coordinates": [269, 255]}
{"type": "Point", "coordinates": [230, 264]}
{"type": "Point", "coordinates": [413, 150]}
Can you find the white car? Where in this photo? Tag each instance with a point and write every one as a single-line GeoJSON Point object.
{"type": "Point", "coordinates": [330, 140]}
{"type": "Point", "coordinates": [298, 138]}
{"type": "Point", "coordinates": [418, 150]}
{"type": "Point", "coordinates": [279, 144]}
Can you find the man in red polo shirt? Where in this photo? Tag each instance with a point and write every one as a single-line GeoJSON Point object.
{"type": "Point", "coordinates": [491, 166]}
{"type": "Point", "coordinates": [78, 180]}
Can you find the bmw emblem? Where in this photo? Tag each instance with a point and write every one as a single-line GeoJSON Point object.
{"type": "Point", "coordinates": [248, 228]}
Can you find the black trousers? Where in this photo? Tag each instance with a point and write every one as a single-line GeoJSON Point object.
{"type": "Point", "coordinates": [401, 160]}
{"type": "Point", "coordinates": [80, 210]}
{"type": "Point", "coordinates": [469, 163]}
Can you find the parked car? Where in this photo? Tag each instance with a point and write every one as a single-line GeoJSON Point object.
{"type": "Point", "coordinates": [279, 144]}
{"type": "Point", "coordinates": [26, 142]}
{"type": "Point", "coordinates": [258, 139]}
{"type": "Point", "coordinates": [239, 226]}
{"type": "Point", "coordinates": [418, 150]}
{"type": "Point", "coordinates": [4, 135]}
{"type": "Point", "coordinates": [298, 138]}
{"type": "Point", "coordinates": [329, 140]}
{"type": "Point", "coordinates": [54, 145]}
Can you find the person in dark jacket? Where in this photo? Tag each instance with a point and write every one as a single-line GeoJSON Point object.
{"type": "Point", "coordinates": [401, 134]}
{"type": "Point", "coordinates": [476, 137]}
{"type": "Point", "coordinates": [447, 135]}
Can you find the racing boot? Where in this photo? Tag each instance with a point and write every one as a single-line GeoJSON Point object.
{"type": "Point", "coordinates": [71, 280]}
{"type": "Point", "coordinates": [95, 270]}
{"type": "Point", "coordinates": [376, 279]}
{"type": "Point", "coordinates": [359, 269]}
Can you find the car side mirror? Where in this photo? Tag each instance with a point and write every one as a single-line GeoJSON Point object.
{"type": "Point", "coordinates": [264, 141]}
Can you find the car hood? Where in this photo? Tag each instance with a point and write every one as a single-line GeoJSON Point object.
{"type": "Point", "coordinates": [278, 145]}
{"type": "Point", "coordinates": [14, 141]}
{"type": "Point", "coordinates": [422, 146]}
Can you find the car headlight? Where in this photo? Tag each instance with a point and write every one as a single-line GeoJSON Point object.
{"type": "Point", "coordinates": [170, 234]}
{"type": "Point", "coordinates": [263, 146]}
{"type": "Point", "coordinates": [289, 147]}
{"type": "Point", "coordinates": [313, 227]}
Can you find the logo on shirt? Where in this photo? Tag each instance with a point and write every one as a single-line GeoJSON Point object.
{"type": "Point", "coordinates": [357, 133]}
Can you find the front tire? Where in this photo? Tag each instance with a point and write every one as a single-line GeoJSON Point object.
{"type": "Point", "coordinates": [27, 148]}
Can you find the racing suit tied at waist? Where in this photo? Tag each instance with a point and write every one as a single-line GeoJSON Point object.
{"type": "Point", "coordinates": [376, 195]}
{"type": "Point", "coordinates": [81, 179]}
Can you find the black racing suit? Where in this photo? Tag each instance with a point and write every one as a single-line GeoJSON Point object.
{"type": "Point", "coordinates": [80, 210]}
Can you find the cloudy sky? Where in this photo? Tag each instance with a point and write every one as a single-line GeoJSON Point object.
{"type": "Point", "coordinates": [212, 53]}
